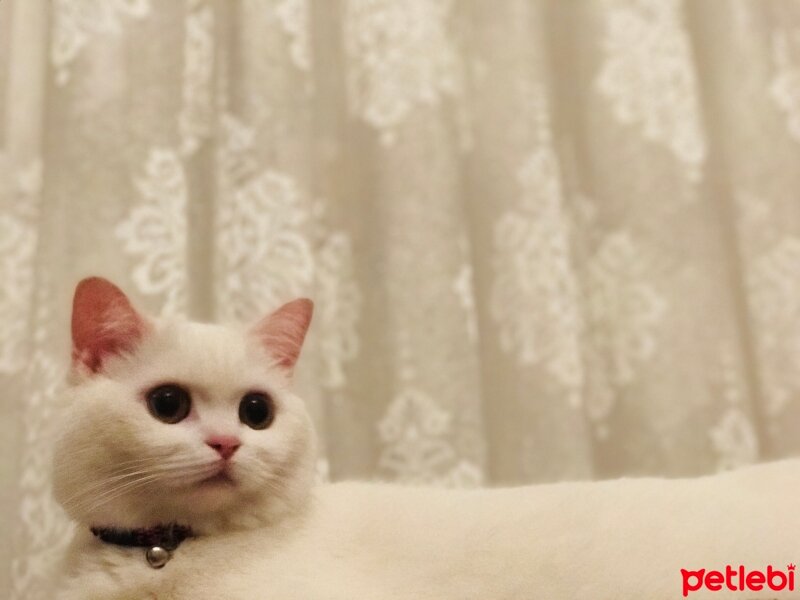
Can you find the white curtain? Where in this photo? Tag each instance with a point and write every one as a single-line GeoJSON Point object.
{"type": "Point", "coordinates": [546, 239]}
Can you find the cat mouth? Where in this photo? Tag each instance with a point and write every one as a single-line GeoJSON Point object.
{"type": "Point", "coordinates": [221, 477]}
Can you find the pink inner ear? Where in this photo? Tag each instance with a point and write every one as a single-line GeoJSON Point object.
{"type": "Point", "coordinates": [104, 323]}
{"type": "Point", "coordinates": [282, 332]}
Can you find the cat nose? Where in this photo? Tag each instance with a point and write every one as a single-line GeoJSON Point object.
{"type": "Point", "coordinates": [225, 445]}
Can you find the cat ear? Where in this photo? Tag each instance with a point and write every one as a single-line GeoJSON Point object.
{"type": "Point", "coordinates": [104, 323]}
{"type": "Point", "coordinates": [283, 331]}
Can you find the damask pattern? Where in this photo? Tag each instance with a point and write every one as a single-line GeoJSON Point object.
{"type": "Point", "coordinates": [733, 437]}
{"type": "Point", "coordinates": [464, 289]}
{"type": "Point", "coordinates": [533, 267]}
{"type": "Point", "coordinates": [295, 16]}
{"type": "Point", "coordinates": [154, 231]}
{"type": "Point", "coordinates": [734, 440]}
{"type": "Point", "coordinates": [625, 313]}
{"type": "Point", "coordinates": [400, 56]}
{"type": "Point", "coordinates": [340, 301]}
{"type": "Point", "coordinates": [273, 245]}
{"type": "Point", "coordinates": [649, 78]}
{"type": "Point", "coordinates": [784, 88]}
{"type": "Point", "coordinates": [267, 258]}
{"type": "Point", "coordinates": [18, 236]}
{"type": "Point", "coordinates": [74, 24]}
{"type": "Point", "coordinates": [416, 449]}
{"type": "Point", "coordinates": [262, 224]}
{"type": "Point", "coordinates": [624, 308]}
{"type": "Point", "coordinates": [196, 119]}
{"type": "Point", "coordinates": [42, 522]}
{"type": "Point", "coordinates": [774, 297]}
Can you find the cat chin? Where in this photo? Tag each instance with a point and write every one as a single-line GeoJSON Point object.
{"type": "Point", "coordinates": [212, 495]}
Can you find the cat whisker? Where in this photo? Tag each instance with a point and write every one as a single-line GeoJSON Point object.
{"type": "Point", "coordinates": [103, 483]}
{"type": "Point", "coordinates": [109, 494]}
{"type": "Point", "coordinates": [156, 458]}
{"type": "Point", "coordinates": [115, 493]}
{"type": "Point", "coordinates": [131, 471]}
{"type": "Point", "coordinates": [262, 478]}
{"type": "Point", "coordinates": [165, 473]}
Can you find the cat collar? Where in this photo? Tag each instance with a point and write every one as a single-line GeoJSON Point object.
{"type": "Point", "coordinates": [159, 541]}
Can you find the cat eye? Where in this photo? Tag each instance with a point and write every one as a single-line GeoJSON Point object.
{"type": "Point", "coordinates": [169, 403]}
{"type": "Point", "coordinates": [256, 410]}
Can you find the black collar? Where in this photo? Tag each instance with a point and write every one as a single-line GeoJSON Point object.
{"type": "Point", "coordinates": [167, 536]}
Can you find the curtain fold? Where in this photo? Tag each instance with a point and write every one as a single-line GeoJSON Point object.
{"type": "Point", "coordinates": [545, 239]}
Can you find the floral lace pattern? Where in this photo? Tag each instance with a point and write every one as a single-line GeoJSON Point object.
{"type": "Point", "coordinates": [774, 295]}
{"type": "Point", "coordinates": [273, 245]}
{"type": "Point", "coordinates": [295, 16]}
{"type": "Point", "coordinates": [416, 450]}
{"type": "Point", "coordinates": [532, 262]}
{"type": "Point", "coordinates": [784, 88]}
{"type": "Point", "coordinates": [340, 307]}
{"type": "Point", "coordinates": [75, 22]}
{"type": "Point", "coordinates": [41, 521]}
{"type": "Point", "coordinates": [400, 55]}
{"type": "Point", "coordinates": [262, 226]}
{"type": "Point", "coordinates": [625, 312]}
{"type": "Point", "coordinates": [624, 308]}
{"type": "Point", "coordinates": [17, 248]}
{"type": "Point", "coordinates": [155, 231]}
{"type": "Point", "coordinates": [267, 258]}
{"type": "Point", "coordinates": [463, 288]}
{"type": "Point", "coordinates": [197, 114]}
{"type": "Point", "coordinates": [649, 78]}
{"type": "Point", "coordinates": [734, 438]}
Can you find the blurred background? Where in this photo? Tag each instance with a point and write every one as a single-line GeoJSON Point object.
{"type": "Point", "coordinates": [546, 239]}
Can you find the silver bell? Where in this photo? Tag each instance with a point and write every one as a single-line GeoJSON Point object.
{"type": "Point", "coordinates": [157, 556]}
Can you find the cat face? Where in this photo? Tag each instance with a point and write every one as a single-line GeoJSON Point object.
{"type": "Point", "coordinates": [180, 421]}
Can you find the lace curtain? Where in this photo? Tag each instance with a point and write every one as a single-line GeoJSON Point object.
{"type": "Point", "coordinates": [546, 240]}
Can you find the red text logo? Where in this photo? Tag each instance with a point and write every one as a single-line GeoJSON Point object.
{"type": "Point", "coordinates": [739, 579]}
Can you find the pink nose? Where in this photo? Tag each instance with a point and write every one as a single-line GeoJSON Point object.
{"type": "Point", "coordinates": [225, 445]}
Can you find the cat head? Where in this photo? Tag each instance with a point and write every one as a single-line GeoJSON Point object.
{"type": "Point", "coordinates": [181, 421]}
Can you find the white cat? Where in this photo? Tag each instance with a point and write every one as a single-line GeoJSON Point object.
{"type": "Point", "coordinates": [195, 425]}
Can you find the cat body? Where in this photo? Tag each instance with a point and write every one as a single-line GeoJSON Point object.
{"type": "Point", "coordinates": [600, 540]}
{"type": "Point", "coordinates": [197, 424]}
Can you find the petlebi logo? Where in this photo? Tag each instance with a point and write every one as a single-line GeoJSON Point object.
{"type": "Point", "coordinates": [739, 579]}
